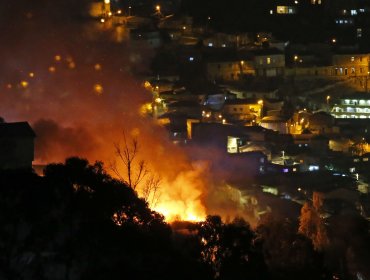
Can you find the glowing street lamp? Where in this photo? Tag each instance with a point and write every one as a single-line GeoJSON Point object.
{"type": "Point", "coordinates": [158, 9]}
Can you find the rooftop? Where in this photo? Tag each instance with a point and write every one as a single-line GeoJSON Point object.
{"type": "Point", "coordinates": [16, 129]}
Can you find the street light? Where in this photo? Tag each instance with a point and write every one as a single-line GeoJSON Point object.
{"type": "Point", "coordinates": [208, 23]}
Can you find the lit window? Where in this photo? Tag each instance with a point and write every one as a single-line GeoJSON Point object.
{"type": "Point", "coordinates": [352, 59]}
{"type": "Point", "coordinates": [191, 58]}
{"type": "Point", "coordinates": [210, 44]}
{"type": "Point", "coordinates": [359, 32]}
{"type": "Point", "coordinates": [281, 9]}
{"type": "Point", "coordinates": [350, 110]}
{"type": "Point", "coordinates": [268, 60]}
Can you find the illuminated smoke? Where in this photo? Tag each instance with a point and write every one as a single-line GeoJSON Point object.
{"type": "Point", "coordinates": [78, 90]}
{"type": "Point", "coordinates": [79, 93]}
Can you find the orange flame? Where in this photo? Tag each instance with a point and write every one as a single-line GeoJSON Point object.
{"type": "Point", "coordinates": [181, 198]}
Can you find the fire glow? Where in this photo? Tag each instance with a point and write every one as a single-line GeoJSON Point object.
{"type": "Point", "coordinates": [82, 110]}
{"type": "Point", "coordinates": [80, 96]}
{"type": "Point", "coordinates": [182, 198]}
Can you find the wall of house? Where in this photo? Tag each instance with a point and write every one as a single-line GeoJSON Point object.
{"type": "Point", "coordinates": [311, 71]}
{"type": "Point", "coordinates": [270, 65]}
{"type": "Point", "coordinates": [229, 70]}
{"type": "Point", "coordinates": [280, 127]}
{"type": "Point", "coordinates": [16, 153]}
{"type": "Point", "coordinates": [242, 111]}
{"type": "Point", "coordinates": [350, 65]}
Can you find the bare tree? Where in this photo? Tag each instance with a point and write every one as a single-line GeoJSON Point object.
{"type": "Point", "coordinates": [135, 170]}
{"type": "Point", "coordinates": [135, 173]}
{"type": "Point", "coordinates": [150, 190]}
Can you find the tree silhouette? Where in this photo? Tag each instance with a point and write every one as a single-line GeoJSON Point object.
{"type": "Point", "coordinates": [63, 226]}
{"type": "Point", "coordinates": [288, 254]}
{"type": "Point", "coordinates": [135, 172]}
{"type": "Point", "coordinates": [229, 250]}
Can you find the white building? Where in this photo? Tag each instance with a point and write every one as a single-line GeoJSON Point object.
{"type": "Point", "coordinates": [353, 107]}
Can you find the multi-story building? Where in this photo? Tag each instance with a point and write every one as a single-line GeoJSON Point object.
{"type": "Point", "coordinates": [351, 65]}
{"type": "Point", "coordinates": [353, 107]}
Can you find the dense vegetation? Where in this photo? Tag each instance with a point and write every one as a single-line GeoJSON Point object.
{"type": "Point", "coordinates": [77, 222]}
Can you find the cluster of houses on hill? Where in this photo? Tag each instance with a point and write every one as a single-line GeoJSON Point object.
{"type": "Point", "coordinates": [231, 56]}
{"type": "Point", "coordinates": [224, 92]}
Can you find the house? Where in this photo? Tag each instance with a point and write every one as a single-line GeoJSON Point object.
{"type": "Point", "coordinates": [269, 62]}
{"type": "Point", "coordinates": [243, 109]}
{"type": "Point", "coordinates": [226, 40]}
{"type": "Point", "coordinates": [321, 123]}
{"type": "Point", "coordinates": [227, 65]}
{"type": "Point", "coordinates": [16, 145]}
{"type": "Point", "coordinates": [276, 123]}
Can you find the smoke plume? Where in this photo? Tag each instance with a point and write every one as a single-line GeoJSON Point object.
{"type": "Point", "coordinates": [66, 76]}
